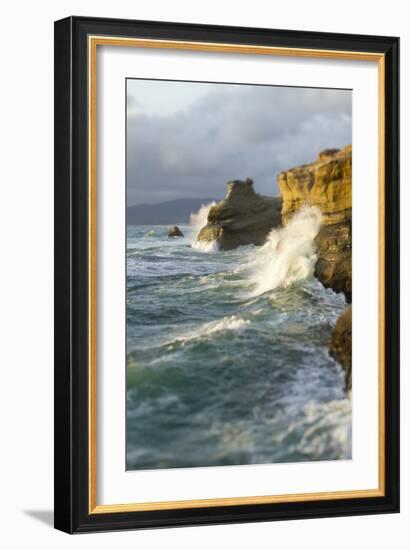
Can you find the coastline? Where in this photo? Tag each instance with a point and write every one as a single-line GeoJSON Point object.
{"type": "Point", "coordinates": [325, 184]}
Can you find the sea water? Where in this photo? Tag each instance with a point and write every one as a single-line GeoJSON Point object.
{"type": "Point", "coordinates": [227, 351]}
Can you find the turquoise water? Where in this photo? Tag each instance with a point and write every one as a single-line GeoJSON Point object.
{"type": "Point", "coordinates": [219, 374]}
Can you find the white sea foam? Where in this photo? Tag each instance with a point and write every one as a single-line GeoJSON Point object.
{"type": "Point", "coordinates": [232, 323]}
{"type": "Point", "coordinates": [205, 246]}
{"type": "Point", "coordinates": [150, 233]}
{"type": "Point", "coordinates": [327, 426]}
{"type": "Point", "coordinates": [289, 253]}
{"type": "Point", "coordinates": [199, 219]}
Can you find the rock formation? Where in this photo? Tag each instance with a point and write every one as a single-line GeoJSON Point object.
{"type": "Point", "coordinates": [326, 183]}
{"type": "Point", "coordinates": [341, 344]}
{"type": "Point", "coordinates": [242, 217]}
{"type": "Point", "coordinates": [175, 231]}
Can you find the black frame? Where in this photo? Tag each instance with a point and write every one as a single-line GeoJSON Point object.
{"type": "Point", "coordinates": [71, 275]}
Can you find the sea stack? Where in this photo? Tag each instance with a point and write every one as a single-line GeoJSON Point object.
{"type": "Point", "coordinates": [327, 184]}
{"type": "Point", "coordinates": [243, 217]}
{"type": "Point", "coordinates": [175, 231]}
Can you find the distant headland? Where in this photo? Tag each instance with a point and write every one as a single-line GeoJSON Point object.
{"type": "Point", "coordinates": [171, 212]}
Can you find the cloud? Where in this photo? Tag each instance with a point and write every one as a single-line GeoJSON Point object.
{"type": "Point", "coordinates": [232, 132]}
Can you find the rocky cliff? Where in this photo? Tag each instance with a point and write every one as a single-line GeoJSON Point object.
{"type": "Point", "coordinates": [341, 344]}
{"type": "Point", "coordinates": [242, 217]}
{"type": "Point", "coordinates": [326, 183]}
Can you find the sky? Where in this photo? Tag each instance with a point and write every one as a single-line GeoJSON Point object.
{"type": "Point", "coordinates": [188, 139]}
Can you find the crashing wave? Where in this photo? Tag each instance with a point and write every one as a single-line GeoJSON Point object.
{"type": "Point", "coordinates": [199, 219]}
{"type": "Point", "coordinates": [289, 253]}
{"type": "Point", "coordinates": [205, 246]}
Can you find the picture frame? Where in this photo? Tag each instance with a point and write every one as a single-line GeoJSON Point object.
{"type": "Point", "coordinates": [77, 40]}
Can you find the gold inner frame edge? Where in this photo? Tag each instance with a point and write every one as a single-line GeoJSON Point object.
{"type": "Point", "coordinates": [93, 42]}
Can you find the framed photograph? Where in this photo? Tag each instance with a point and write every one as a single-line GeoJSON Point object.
{"type": "Point", "coordinates": [226, 274]}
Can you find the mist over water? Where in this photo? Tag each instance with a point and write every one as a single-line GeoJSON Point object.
{"type": "Point", "coordinates": [227, 351]}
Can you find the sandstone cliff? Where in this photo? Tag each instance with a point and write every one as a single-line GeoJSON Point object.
{"type": "Point", "coordinates": [326, 183]}
{"type": "Point", "coordinates": [341, 344]}
{"type": "Point", "coordinates": [242, 217]}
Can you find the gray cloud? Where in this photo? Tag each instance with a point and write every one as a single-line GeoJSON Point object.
{"type": "Point", "coordinates": [232, 132]}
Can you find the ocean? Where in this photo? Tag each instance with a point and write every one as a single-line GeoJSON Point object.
{"type": "Point", "coordinates": [227, 351]}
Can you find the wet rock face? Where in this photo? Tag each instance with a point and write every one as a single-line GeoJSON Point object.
{"type": "Point", "coordinates": [327, 184]}
{"type": "Point", "coordinates": [341, 344]}
{"type": "Point", "coordinates": [174, 231]}
{"type": "Point", "coordinates": [334, 264]}
{"type": "Point", "coordinates": [242, 217]}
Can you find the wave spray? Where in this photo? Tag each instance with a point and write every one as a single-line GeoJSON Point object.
{"type": "Point", "coordinates": [289, 253]}
{"type": "Point", "coordinates": [199, 219]}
